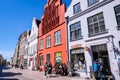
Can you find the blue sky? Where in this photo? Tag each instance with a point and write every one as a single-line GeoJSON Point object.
{"type": "Point", "coordinates": [15, 17]}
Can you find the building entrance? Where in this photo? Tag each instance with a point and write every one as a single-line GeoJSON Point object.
{"type": "Point", "coordinates": [100, 51]}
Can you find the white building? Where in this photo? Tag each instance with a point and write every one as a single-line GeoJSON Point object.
{"type": "Point", "coordinates": [94, 32]}
{"type": "Point", "coordinates": [32, 43]}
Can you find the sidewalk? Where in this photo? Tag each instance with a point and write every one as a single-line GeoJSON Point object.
{"type": "Point", "coordinates": [40, 75]}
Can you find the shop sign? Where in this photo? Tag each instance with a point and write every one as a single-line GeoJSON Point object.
{"type": "Point", "coordinates": [58, 57]}
{"type": "Point", "coordinates": [75, 51]}
{"type": "Point", "coordinates": [76, 46]}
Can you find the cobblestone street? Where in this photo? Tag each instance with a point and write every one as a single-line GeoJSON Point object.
{"type": "Point", "coordinates": [7, 73]}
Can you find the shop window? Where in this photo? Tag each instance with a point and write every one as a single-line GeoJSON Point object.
{"type": "Point", "coordinates": [76, 8]}
{"type": "Point", "coordinates": [58, 57]}
{"type": "Point", "coordinates": [78, 60]}
{"type": "Point", "coordinates": [117, 13]}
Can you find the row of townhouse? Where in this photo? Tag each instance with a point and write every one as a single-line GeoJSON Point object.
{"type": "Point", "coordinates": [26, 48]}
{"type": "Point", "coordinates": [86, 31]}
{"type": "Point", "coordinates": [1, 60]}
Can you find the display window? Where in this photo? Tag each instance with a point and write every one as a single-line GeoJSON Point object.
{"type": "Point", "coordinates": [77, 60]}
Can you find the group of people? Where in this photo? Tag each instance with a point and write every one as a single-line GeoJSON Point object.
{"type": "Point", "coordinates": [99, 69]}
{"type": "Point", "coordinates": [58, 68]}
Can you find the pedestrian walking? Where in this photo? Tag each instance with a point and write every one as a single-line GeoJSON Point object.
{"type": "Point", "coordinates": [49, 71]}
{"type": "Point", "coordinates": [95, 68]}
{"type": "Point", "coordinates": [45, 69]}
{"type": "Point", "coordinates": [65, 73]}
{"type": "Point", "coordinates": [101, 69]}
{"type": "Point", "coordinates": [21, 66]}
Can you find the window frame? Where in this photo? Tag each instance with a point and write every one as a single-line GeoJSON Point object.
{"type": "Point", "coordinates": [116, 15]}
{"type": "Point", "coordinates": [57, 37]}
{"type": "Point", "coordinates": [75, 31]}
{"type": "Point", "coordinates": [41, 44]}
{"type": "Point", "coordinates": [89, 4]}
{"type": "Point", "coordinates": [74, 9]}
{"type": "Point", "coordinates": [41, 59]}
{"type": "Point", "coordinates": [91, 25]}
{"type": "Point", "coordinates": [48, 41]}
{"type": "Point", "coordinates": [48, 55]}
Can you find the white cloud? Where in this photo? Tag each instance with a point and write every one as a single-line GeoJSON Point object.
{"type": "Point", "coordinates": [7, 54]}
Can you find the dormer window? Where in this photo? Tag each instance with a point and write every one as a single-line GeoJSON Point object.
{"type": "Point", "coordinates": [91, 2]}
{"type": "Point", "coordinates": [76, 8]}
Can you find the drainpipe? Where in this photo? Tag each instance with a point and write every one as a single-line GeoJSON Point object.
{"type": "Point", "coordinates": [113, 47]}
{"type": "Point", "coordinates": [68, 52]}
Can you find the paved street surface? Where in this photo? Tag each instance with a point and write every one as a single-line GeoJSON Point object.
{"type": "Point", "coordinates": [7, 73]}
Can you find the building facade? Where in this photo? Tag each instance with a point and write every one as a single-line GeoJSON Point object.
{"type": "Point", "coordinates": [32, 44]}
{"type": "Point", "coordinates": [22, 51]}
{"type": "Point", "coordinates": [52, 34]}
{"type": "Point", "coordinates": [1, 60]}
{"type": "Point", "coordinates": [93, 27]}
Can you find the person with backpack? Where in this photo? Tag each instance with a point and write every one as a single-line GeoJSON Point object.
{"type": "Point", "coordinates": [101, 69]}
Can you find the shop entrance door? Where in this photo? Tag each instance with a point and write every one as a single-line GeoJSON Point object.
{"type": "Point", "coordinates": [100, 51]}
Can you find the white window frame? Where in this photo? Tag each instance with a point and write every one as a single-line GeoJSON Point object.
{"type": "Point", "coordinates": [91, 2]}
{"type": "Point", "coordinates": [48, 41]}
{"type": "Point", "coordinates": [92, 21]}
{"type": "Point", "coordinates": [75, 8]}
{"type": "Point", "coordinates": [41, 44]}
{"type": "Point", "coordinates": [57, 37]}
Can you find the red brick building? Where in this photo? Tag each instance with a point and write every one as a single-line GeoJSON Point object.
{"type": "Point", "coordinates": [52, 34]}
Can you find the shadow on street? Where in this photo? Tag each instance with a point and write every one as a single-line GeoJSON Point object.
{"type": "Point", "coordinates": [8, 79]}
{"type": "Point", "coordinates": [9, 74]}
{"type": "Point", "coordinates": [3, 75]}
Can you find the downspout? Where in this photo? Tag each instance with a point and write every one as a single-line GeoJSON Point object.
{"type": "Point", "coordinates": [68, 52]}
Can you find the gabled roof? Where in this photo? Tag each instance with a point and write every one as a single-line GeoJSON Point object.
{"type": "Point", "coordinates": [38, 22]}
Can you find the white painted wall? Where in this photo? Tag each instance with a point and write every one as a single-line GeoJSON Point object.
{"type": "Point", "coordinates": [33, 43]}
{"type": "Point", "coordinates": [110, 24]}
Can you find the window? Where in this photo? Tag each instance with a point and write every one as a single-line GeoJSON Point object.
{"type": "Point", "coordinates": [58, 57]}
{"type": "Point", "coordinates": [76, 8]}
{"type": "Point", "coordinates": [75, 31]}
{"type": "Point", "coordinates": [48, 41]}
{"type": "Point", "coordinates": [41, 44]}
{"type": "Point", "coordinates": [90, 2]}
{"type": "Point", "coordinates": [41, 60]}
{"type": "Point", "coordinates": [57, 37]}
{"type": "Point", "coordinates": [117, 13]}
{"type": "Point", "coordinates": [78, 59]}
{"type": "Point", "coordinates": [96, 24]}
{"type": "Point", "coordinates": [48, 58]}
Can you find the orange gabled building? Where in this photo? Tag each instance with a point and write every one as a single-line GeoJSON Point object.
{"type": "Point", "coordinates": [52, 34]}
